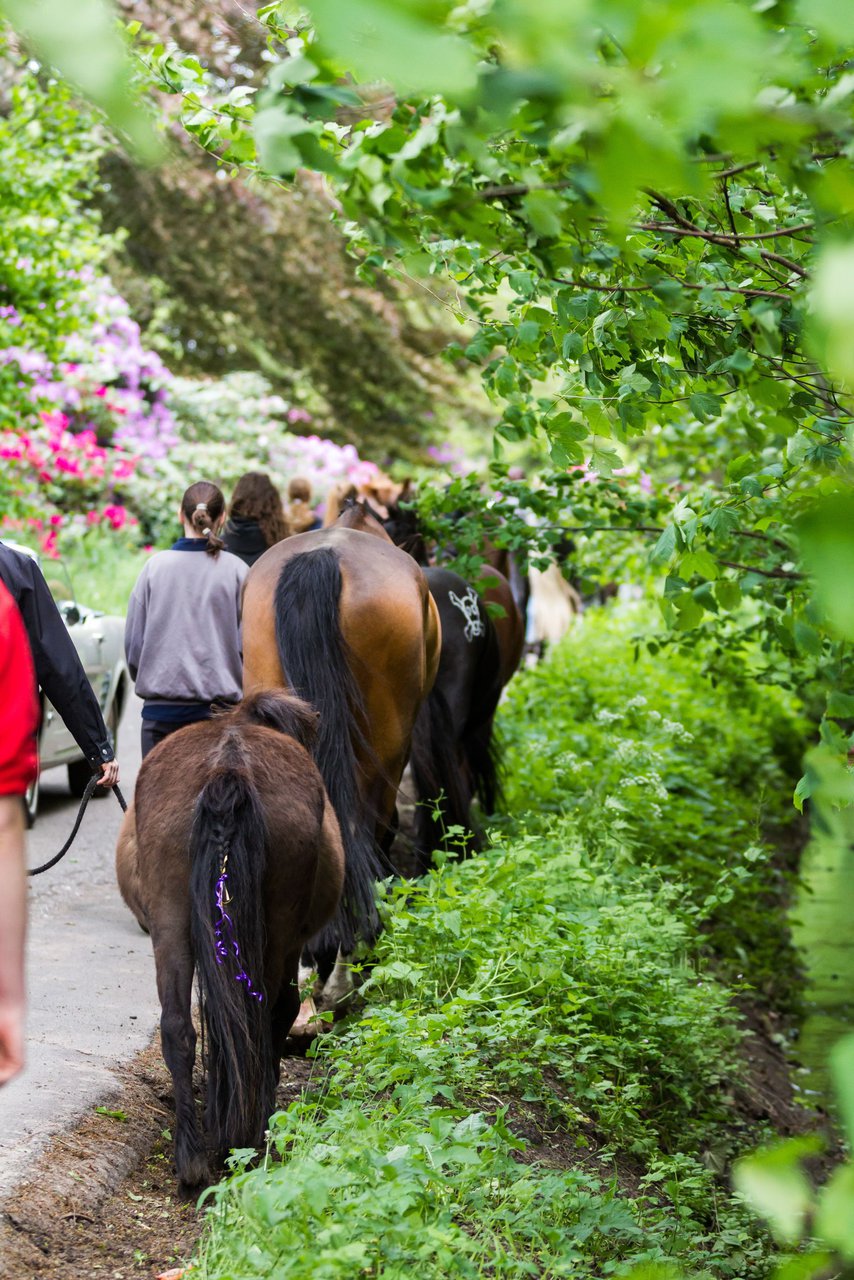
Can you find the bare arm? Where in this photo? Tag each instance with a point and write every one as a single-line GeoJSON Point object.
{"type": "Point", "coordinates": [13, 923]}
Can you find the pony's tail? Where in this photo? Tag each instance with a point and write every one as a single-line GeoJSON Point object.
{"type": "Point", "coordinates": [316, 663]}
{"type": "Point", "coordinates": [228, 854]}
{"type": "Point", "coordinates": [482, 756]}
{"type": "Point", "coordinates": [443, 796]}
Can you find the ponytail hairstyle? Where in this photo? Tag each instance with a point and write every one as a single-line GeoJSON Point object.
{"type": "Point", "coordinates": [203, 506]}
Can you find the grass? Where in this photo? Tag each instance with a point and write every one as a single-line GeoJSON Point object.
{"type": "Point", "coordinates": [563, 975]}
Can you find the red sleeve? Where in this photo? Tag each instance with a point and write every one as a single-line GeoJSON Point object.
{"type": "Point", "coordinates": [18, 703]}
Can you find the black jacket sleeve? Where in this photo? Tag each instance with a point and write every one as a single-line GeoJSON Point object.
{"type": "Point", "coordinates": [58, 667]}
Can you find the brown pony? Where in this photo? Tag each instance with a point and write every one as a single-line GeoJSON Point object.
{"type": "Point", "coordinates": [344, 619]}
{"type": "Point", "coordinates": [231, 858]}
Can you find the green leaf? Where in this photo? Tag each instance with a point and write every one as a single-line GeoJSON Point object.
{"type": "Point", "coordinates": [690, 612]}
{"type": "Point", "coordinates": [840, 704]}
{"type": "Point", "coordinates": [698, 562]}
{"type": "Point", "coordinates": [834, 1215]}
{"type": "Point", "coordinates": [605, 461]}
{"type": "Point", "coordinates": [704, 405]}
{"type": "Point", "coordinates": [542, 210]}
{"type": "Point", "coordinates": [803, 791]}
{"type": "Point", "coordinates": [777, 1187]}
{"type": "Point", "coordinates": [666, 546]}
{"type": "Point", "coordinates": [275, 129]}
{"type": "Point", "coordinates": [379, 40]}
{"type": "Point", "coordinates": [842, 1071]}
{"type": "Point", "coordinates": [728, 594]}
{"type": "Point", "coordinates": [81, 40]}
{"type": "Point", "coordinates": [827, 544]}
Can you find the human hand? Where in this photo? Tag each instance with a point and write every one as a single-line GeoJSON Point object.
{"type": "Point", "coordinates": [109, 774]}
{"type": "Point", "coordinates": [11, 1039]}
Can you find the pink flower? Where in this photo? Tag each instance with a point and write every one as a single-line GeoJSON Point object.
{"type": "Point", "coordinates": [117, 516]}
{"type": "Point", "coordinates": [49, 546]}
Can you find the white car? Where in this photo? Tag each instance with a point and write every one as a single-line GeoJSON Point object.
{"type": "Point", "coordinates": [99, 640]}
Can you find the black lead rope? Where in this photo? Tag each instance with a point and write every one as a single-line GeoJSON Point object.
{"type": "Point", "coordinates": [87, 796]}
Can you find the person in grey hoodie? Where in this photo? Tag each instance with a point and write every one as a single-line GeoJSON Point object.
{"type": "Point", "coordinates": [182, 636]}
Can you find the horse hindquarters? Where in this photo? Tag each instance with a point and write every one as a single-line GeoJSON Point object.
{"type": "Point", "coordinates": [315, 661]}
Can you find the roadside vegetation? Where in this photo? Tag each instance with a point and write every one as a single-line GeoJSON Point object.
{"type": "Point", "coordinates": [540, 1078]}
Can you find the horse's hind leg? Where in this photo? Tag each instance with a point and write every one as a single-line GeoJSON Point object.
{"type": "Point", "coordinates": [174, 963]}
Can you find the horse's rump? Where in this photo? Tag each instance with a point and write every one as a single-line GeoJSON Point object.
{"type": "Point", "coordinates": [345, 619]}
{"type": "Point", "coordinates": [238, 861]}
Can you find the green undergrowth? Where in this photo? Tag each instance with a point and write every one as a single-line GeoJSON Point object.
{"type": "Point", "coordinates": [558, 987]}
{"type": "Point", "coordinates": [652, 763]}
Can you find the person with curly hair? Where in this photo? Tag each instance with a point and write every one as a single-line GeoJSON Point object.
{"type": "Point", "coordinates": [256, 517]}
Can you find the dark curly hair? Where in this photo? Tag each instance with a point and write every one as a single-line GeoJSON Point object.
{"type": "Point", "coordinates": [255, 497]}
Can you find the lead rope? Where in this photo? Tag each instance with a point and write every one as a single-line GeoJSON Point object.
{"type": "Point", "coordinates": [87, 796]}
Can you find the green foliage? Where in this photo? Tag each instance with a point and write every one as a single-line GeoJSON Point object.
{"type": "Point", "coordinates": [555, 981]}
{"type": "Point", "coordinates": [83, 43]}
{"type": "Point", "coordinates": [50, 240]}
{"type": "Point", "coordinates": [647, 208]}
{"type": "Point", "coordinates": [778, 1187]}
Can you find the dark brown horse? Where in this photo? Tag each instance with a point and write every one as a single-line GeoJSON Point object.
{"type": "Point", "coordinates": [231, 858]}
{"type": "Point", "coordinates": [454, 753]}
{"type": "Point", "coordinates": [344, 619]}
{"type": "Point", "coordinates": [454, 756]}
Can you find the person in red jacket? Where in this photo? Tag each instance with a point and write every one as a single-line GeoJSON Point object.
{"type": "Point", "coordinates": [18, 766]}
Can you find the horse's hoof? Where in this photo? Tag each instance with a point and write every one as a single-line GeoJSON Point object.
{"type": "Point", "coordinates": [193, 1171]}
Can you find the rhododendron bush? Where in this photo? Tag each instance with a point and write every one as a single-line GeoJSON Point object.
{"type": "Point", "coordinates": [97, 438]}
{"type": "Point", "coordinates": [230, 425]}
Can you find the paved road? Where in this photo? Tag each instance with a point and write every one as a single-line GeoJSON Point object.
{"type": "Point", "coordinates": [92, 999]}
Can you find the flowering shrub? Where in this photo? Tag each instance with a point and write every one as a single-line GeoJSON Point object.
{"type": "Point", "coordinates": [228, 426]}
{"type": "Point", "coordinates": [107, 384]}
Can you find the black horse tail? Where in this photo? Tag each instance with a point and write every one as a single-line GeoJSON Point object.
{"type": "Point", "coordinates": [443, 796]}
{"type": "Point", "coordinates": [228, 855]}
{"type": "Point", "coordinates": [480, 745]}
{"type": "Point", "coordinates": [315, 661]}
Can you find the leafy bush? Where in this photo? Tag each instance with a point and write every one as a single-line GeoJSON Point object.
{"type": "Point", "coordinates": [558, 978]}
{"type": "Point", "coordinates": [655, 764]}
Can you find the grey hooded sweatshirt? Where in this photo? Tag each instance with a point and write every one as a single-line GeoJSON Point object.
{"type": "Point", "coordinates": [182, 636]}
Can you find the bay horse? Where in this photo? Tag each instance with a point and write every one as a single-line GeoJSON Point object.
{"type": "Point", "coordinates": [344, 619]}
{"type": "Point", "coordinates": [231, 858]}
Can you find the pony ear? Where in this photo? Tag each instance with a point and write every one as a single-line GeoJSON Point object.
{"type": "Point", "coordinates": [284, 712]}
